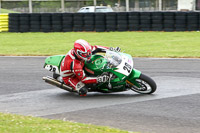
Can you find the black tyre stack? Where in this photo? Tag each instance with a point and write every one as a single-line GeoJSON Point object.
{"type": "Point", "coordinates": [24, 22]}
{"type": "Point", "coordinates": [35, 22]}
{"type": "Point", "coordinates": [111, 21]}
{"type": "Point", "coordinates": [192, 21]}
{"type": "Point", "coordinates": [169, 21]}
{"type": "Point", "coordinates": [67, 21]}
{"type": "Point", "coordinates": [100, 22]}
{"type": "Point", "coordinates": [199, 21]}
{"type": "Point", "coordinates": [46, 22]}
{"type": "Point", "coordinates": [56, 22]}
{"type": "Point", "coordinates": [78, 21]}
{"type": "Point", "coordinates": [89, 23]}
{"type": "Point", "coordinates": [122, 21]}
{"type": "Point", "coordinates": [145, 21]}
{"type": "Point", "coordinates": [13, 22]}
{"type": "Point", "coordinates": [180, 21]}
{"type": "Point", "coordinates": [157, 21]}
{"type": "Point", "coordinates": [134, 21]}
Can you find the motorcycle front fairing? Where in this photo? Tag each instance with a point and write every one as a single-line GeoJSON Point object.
{"type": "Point", "coordinates": [118, 65]}
{"type": "Point", "coordinates": [125, 72]}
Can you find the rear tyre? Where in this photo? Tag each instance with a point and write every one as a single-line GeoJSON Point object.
{"type": "Point", "coordinates": [147, 85]}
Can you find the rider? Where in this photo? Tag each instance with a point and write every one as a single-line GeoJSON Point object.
{"type": "Point", "coordinates": [72, 66]}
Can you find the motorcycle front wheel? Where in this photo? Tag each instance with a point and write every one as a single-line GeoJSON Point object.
{"type": "Point", "coordinates": [147, 85]}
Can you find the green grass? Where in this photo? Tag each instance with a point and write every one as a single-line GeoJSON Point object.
{"type": "Point", "coordinates": [10, 123]}
{"type": "Point", "coordinates": [138, 44]}
{"type": "Point", "coordinates": [6, 11]}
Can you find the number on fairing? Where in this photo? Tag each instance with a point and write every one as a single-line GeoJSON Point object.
{"type": "Point", "coordinates": [127, 67]}
{"type": "Point", "coordinates": [53, 69]}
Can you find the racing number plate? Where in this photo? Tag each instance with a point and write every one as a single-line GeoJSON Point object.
{"type": "Point", "coordinates": [52, 68]}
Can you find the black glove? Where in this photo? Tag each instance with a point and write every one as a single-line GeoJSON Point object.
{"type": "Point", "coordinates": [117, 49]}
{"type": "Point", "coordinates": [102, 79]}
{"type": "Point", "coordinates": [83, 91]}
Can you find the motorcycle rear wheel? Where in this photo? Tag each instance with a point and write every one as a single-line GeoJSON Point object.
{"type": "Point", "coordinates": [147, 85]}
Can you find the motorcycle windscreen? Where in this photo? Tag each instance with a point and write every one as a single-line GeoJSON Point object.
{"type": "Point", "coordinates": [113, 59]}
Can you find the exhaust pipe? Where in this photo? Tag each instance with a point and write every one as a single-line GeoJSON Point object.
{"type": "Point", "coordinates": [56, 83]}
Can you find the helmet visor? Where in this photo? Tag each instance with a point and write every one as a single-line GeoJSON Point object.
{"type": "Point", "coordinates": [84, 54]}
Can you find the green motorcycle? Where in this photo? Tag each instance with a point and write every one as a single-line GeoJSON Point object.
{"type": "Point", "coordinates": [116, 65]}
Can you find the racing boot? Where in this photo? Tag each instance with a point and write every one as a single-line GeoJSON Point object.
{"type": "Point", "coordinates": [83, 91]}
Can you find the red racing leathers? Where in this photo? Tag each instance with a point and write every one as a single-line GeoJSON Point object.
{"type": "Point", "coordinates": [72, 69]}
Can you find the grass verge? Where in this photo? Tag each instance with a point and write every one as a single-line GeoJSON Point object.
{"type": "Point", "coordinates": [7, 11]}
{"type": "Point", "coordinates": [10, 123]}
{"type": "Point", "coordinates": [138, 44]}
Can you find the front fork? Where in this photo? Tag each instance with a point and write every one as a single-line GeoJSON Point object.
{"type": "Point", "coordinates": [131, 80]}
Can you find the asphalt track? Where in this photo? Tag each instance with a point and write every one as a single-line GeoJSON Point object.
{"type": "Point", "coordinates": [174, 108]}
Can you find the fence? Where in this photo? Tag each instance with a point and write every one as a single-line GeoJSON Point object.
{"type": "Point", "coordinates": [58, 6]}
{"type": "Point", "coordinates": [100, 22]}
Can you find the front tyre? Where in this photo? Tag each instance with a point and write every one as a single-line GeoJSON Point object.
{"type": "Point", "coordinates": [147, 85]}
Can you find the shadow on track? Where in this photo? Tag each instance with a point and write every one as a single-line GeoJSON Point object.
{"type": "Point", "coordinates": [96, 95]}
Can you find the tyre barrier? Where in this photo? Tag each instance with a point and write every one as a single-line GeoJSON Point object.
{"type": "Point", "coordinates": [3, 22]}
{"type": "Point", "coordinates": [101, 22]}
{"type": "Point", "coordinates": [78, 22]}
{"type": "Point", "coordinates": [157, 21]}
{"type": "Point", "coordinates": [111, 21]}
{"type": "Point", "coordinates": [134, 21]}
{"type": "Point", "coordinates": [89, 22]}
{"type": "Point", "coordinates": [35, 22]}
{"type": "Point", "coordinates": [122, 21]}
{"type": "Point", "coordinates": [67, 22]}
